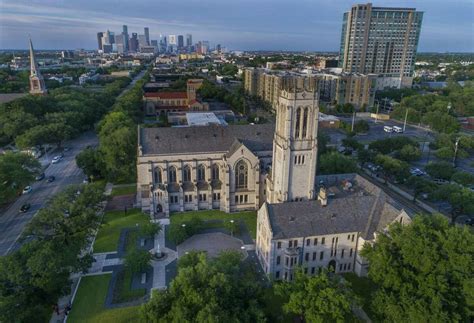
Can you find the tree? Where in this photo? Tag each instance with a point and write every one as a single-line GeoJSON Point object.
{"type": "Point", "coordinates": [361, 126]}
{"type": "Point", "coordinates": [423, 270]}
{"type": "Point", "coordinates": [442, 170]}
{"type": "Point", "coordinates": [151, 229]}
{"type": "Point", "coordinates": [463, 178]}
{"type": "Point", "coordinates": [223, 289]}
{"type": "Point", "coordinates": [17, 170]}
{"type": "Point", "coordinates": [393, 167]}
{"type": "Point", "coordinates": [350, 142]}
{"type": "Point", "coordinates": [336, 163]}
{"type": "Point", "coordinates": [90, 161]}
{"type": "Point", "coordinates": [321, 298]}
{"type": "Point", "coordinates": [409, 153]}
{"type": "Point", "coordinates": [137, 260]}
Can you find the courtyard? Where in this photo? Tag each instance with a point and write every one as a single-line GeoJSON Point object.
{"type": "Point", "coordinates": [111, 293]}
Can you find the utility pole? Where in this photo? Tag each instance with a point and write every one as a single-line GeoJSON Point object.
{"type": "Point", "coordinates": [353, 120]}
{"type": "Point", "coordinates": [405, 123]}
{"type": "Point", "coordinates": [456, 150]}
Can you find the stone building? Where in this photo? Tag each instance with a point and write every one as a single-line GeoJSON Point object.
{"type": "Point", "coordinates": [328, 232]}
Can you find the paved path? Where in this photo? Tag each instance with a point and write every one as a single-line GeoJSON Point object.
{"type": "Point", "coordinates": [159, 267]}
{"type": "Point", "coordinates": [12, 222]}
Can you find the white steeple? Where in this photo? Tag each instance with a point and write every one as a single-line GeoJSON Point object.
{"type": "Point", "coordinates": [37, 85]}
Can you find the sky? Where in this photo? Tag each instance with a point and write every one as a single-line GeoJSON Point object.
{"type": "Point", "coordinates": [295, 25]}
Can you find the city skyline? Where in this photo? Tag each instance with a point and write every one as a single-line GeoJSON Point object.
{"type": "Point", "coordinates": [276, 25]}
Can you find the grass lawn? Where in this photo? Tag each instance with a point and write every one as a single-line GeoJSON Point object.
{"type": "Point", "coordinates": [249, 218]}
{"type": "Point", "coordinates": [362, 287]}
{"type": "Point", "coordinates": [124, 190]}
{"type": "Point", "coordinates": [88, 305]}
{"type": "Point", "coordinates": [114, 221]}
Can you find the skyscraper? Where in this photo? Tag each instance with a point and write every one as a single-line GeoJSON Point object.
{"type": "Point", "coordinates": [134, 42]}
{"type": "Point", "coordinates": [381, 40]}
{"type": "Point", "coordinates": [189, 40]}
{"type": "Point", "coordinates": [180, 41]}
{"type": "Point", "coordinates": [172, 40]}
{"type": "Point", "coordinates": [147, 36]}
{"type": "Point", "coordinates": [125, 38]}
{"type": "Point", "coordinates": [37, 85]}
{"type": "Point", "coordinates": [99, 40]}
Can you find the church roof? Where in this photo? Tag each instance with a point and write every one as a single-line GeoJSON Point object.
{"type": "Point", "coordinates": [205, 139]}
{"type": "Point", "coordinates": [365, 209]}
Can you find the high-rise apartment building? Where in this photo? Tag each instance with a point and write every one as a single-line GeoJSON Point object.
{"type": "Point", "coordinates": [189, 40]}
{"type": "Point", "coordinates": [180, 41]}
{"type": "Point", "coordinates": [134, 42]}
{"type": "Point", "coordinates": [147, 35]}
{"type": "Point", "coordinates": [172, 40]}
{"type": "Point", "coordinates": [381, 41]}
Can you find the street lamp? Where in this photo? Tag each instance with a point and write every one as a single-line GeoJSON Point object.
{"type": "Point", "coordinates": [456, 144]}
{"type": "Point", "coordinates": [232, 228]}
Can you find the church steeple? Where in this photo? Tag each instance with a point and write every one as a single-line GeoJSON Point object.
{"type": "Point", "coordinates": [37, 85]}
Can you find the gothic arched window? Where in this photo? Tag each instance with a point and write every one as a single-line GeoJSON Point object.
{"type": "Point", "coordinates": [172, 174]}
{"type": "Point", "coordinates": [241, 174]}
{"type": "Point", "coordinates": [305, 122]}
{"type": "Point", "coordinates": [201, 173]}
{"type": "Point", "coordinates": [158, 176]}
{"type": "Point", "coordinates": [215, 172]}
{"type": "Point", "coordinates": [186, 174]}
{"type": "Point", "coordinates": [297, 123]}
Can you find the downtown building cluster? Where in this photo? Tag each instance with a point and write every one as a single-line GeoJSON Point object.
{"type": "Point", "coordinates": [122, 43]}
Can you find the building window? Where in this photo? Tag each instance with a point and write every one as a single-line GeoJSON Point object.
{"type": "Point", "coordinates": [278, 260]}
{"type": "Point", "coordinates": [216, 196]}
{"type": "Point", "coordinates": [315, 241]}
{"type": "Point", "coordinates": [308, 241]}
{"type": "Point", "coordinates": [353, 237]}
{"type": "Point", "coordinates": [323, 240]}
{"type": "Point", "coordinates": [215, 172]}
{"type": "Point", "coordinates": [241, 174]}
{"type": "Point", "coordinates": [201, 173]}
{"type": "Point", "coordinates": [340, 267]}
{"type": "Point", "coordinates": [186, 174]}
{"type": "Point", "coordinates": [350, 253]}
{"type": "Point", "coordinates": [306, 256]}
{"type": "Point", "coordinates": [349, 266]}
{"type": "Point", "coordinates": [305, 122]}
{"type": "Point", "coordinates": [342, 253]}
{"type": "Point", "coordinates": [172, 174]}
{"type": "Point", "coordinates": [277, 274]}
{"type": "Point", "coordinates": [314, 255]}
{"type": "Point", "coordinates": [278, 245]}
{"type": "Point", "coordinates": [296, 243]}
{"type": "Point", "coordinates": [290, 244]}
{"type": "Point", "coordinates": [297, 123]}
{"type": "Point", "coordinates": [286, 261]}
{"type": "Point", "coordinates": [202, 197]}
{"type": "Point", "coordinates": [158, 176]}
{"type": "Point", "coordinates": [321, 255]}
{"type": "Point", "coordinates": [312, 270]}
{"type": "Point", "coordinates": [348, 237]}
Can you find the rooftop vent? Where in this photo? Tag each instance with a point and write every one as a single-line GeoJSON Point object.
{"type": "Point", "coordinates": [292, 218]}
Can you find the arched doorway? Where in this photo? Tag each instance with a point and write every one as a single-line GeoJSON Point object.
{"type": "Point", "coordinates": [159, 208]}
{"type": "Point", "coordinates": [332, 266]}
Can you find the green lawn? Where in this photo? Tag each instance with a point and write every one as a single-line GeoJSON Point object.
{"type": "Point", "coordinates": [124, 190]}
{"type": "Point", "coordinates": [249, 218]}
{"type": "Point", "coordinates": [113, 223]}
{"type": "Point", "coordinates": [363, 287]}
{"type": "Point", "coordinates": [88, 305]}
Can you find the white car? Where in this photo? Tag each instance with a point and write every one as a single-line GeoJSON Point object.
{"type": "Point", "coordinates": [56, 159]}
{"type": "Point", "coordinates": [27, 189]}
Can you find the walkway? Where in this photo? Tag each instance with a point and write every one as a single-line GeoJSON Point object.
{"type": "Point", "coordinates": [159, 266]}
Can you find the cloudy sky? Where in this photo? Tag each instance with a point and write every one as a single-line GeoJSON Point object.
{"type": "Point", "coordinates": [448, 25]}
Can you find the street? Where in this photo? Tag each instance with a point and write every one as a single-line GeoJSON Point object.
{"type": "Point", "coordinates": [13, 222]}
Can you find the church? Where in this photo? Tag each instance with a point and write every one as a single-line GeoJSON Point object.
{"type": "Point", "coordinates": [236, 167]}
{"type": "Point", "coordinates": [303, 220]}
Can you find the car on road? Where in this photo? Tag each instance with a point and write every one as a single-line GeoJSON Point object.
{"type": "Point", "coordinates": [416, 171]}
{"type": "Point", "coordinates": [27, 189]}
{"type": "Point", "coordinates": [397, 129]}
{"type": "Point", "coordinates": [40, 177]}
{"type": "Point", "coordinates": [388, 129]}
{"type": "Point", "coordinates": [51, 179]}
{"type": "Point", "coordinates": [56, 159]}
{"type": "Point", "coordinates": [25, 207]}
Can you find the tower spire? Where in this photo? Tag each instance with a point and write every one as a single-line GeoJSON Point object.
{"type": "Point", "coordinates": [37, 85]}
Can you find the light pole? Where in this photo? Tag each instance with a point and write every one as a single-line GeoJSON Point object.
{"type": "Point", "coordinates": [456, 144]}
{"type": "Point", "coordinates": [353, 120]}
{"type": "Point", "coordinates": [377, 112]}
{"type": "Point", "coordinates": [405, 123]}
{"type": "Point", "coordinates": [231, 228]}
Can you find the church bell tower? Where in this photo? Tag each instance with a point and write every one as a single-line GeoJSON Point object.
{"type": "Point", "coordinates": [295, 144]}
{"type": "Point", "coordinates": [37, 85]}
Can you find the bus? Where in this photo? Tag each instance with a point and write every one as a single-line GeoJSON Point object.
{"type": "Point", "coordinates": [397, 129]}
{"type": "Point", "coordinates": [387, 129]}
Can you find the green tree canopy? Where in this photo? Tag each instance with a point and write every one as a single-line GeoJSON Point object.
{"type": "Point", "coordinates": [336, 163]}
{"type": "Point", "coordinates": [424, 272]}
{"type": "Point", "coordinates": [222, 289]}
{"type": "Point", "coordinates": [321, 298]}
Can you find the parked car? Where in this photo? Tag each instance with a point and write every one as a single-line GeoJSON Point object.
{"type": "Point", "coordinates": [27, 189]}
{"type": "Point", "coordinates": [440, 181]}
{"type": "Point", "coordinates": [469, 221]}
{"type": "Point", "coordinates": [417, 172]}
{"type": "Point", "coordinates": [40, 177]}
{"type": "Point", "coordinates": [66, 149]}
{"type": "Point", "coordinates": [51, 179]}
{"type": "Point", "coordinates": [25, 207]}
{"type": "Point", "coordinates": [56, 159]}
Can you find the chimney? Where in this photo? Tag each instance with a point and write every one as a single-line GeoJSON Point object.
{"type": "Point", "coordinates": [322, 196]}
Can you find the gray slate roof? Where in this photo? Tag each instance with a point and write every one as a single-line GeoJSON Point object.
{"type": "Point", "coordinates": [353, 213]}
{"type": "Point", "coordinates": [212, 138]}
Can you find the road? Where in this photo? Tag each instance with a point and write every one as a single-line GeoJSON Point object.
{"type": "Point", "coordinates": [12, 222]}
